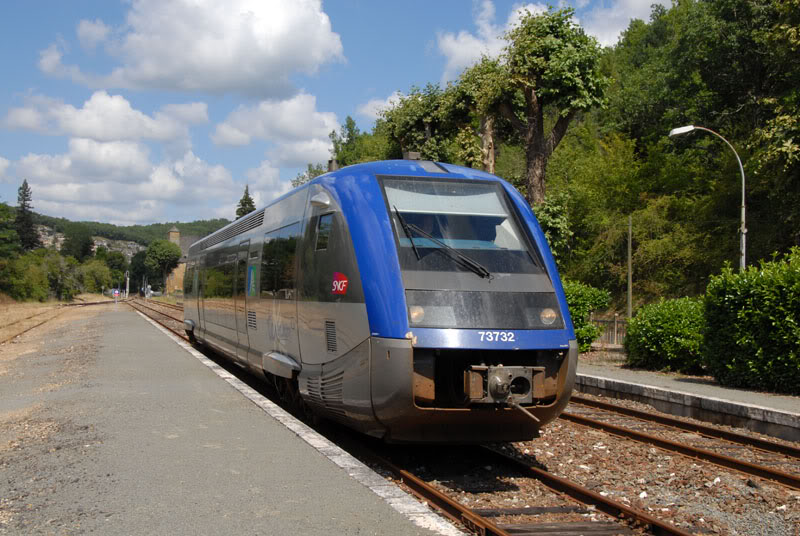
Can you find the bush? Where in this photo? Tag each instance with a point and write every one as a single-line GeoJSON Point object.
{"type": "Point", "coordinates": [96, 275]}
{"type": "Point", "coordinates": [667, 336]}
{"type": "Point", "coordinates": [26, 278]}
{"type": "Point", "coordinates": [752, 334]}
{"type": "Point", "coordinates": [582, 300]}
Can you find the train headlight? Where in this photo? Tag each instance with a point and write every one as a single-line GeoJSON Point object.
{"type": "Point", "coordinates": [548, 316]}
{"type": "Point", "coordinates": [416, 314]}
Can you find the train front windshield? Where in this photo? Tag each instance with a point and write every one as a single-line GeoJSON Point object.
{"type": "Point", "coordinates": [471, 217]}
{"type": "Point", "coordinates": [466, 263]}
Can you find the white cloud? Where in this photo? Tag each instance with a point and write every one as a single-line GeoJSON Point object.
{"type": "Point", "coordinates": [106, 117]}
{"type": "Point", "coordinates": [373, 108]}
{"type": "Point", "coordinates": [247, 46]}
{"type": "Point", "coordinates": [4, 164]}
{"type": "Point", "coordinates": [91, 33]}
{"type": "Point", "coordinates": [265, 183]}
{"type": "Point", "coordinates": [117, 182]}
{"type": "Point", "coordinates": [300, 153]}
{"type": "Point", "coordinates": [606, 23]}
{"type": "Point", "coordinates": [297, 132]}
{"type": "Point", "coordinates": [293, 119]}
{"type": "Point", "coordinates": [464, 48]}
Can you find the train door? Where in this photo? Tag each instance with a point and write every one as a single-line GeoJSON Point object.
{"type": "Point", "coordinates": [285, 305]}
{"type": "Point", "coordinates": [240, 298]}
{"type": "Point", "coordinates": [201, 277]}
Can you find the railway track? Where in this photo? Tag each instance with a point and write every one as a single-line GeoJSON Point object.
{"type": "Point", "coordinates": [769, 460]}
{"type": "Point", "coordinates": [565, 512]}
{"type": "Point", "coordinates": [581, 501]}
{"type": "Point", "coordinates": [35, 318]}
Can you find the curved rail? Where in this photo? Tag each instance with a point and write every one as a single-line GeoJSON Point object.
{"type": "Point", "coordinates": [60, 309]}
{"type": "Point", "coordinates": [728, 462]}
{"type": "Point", "coordinates": [708, 431]}
{"type": "Point", "coordinates": [473, 520]}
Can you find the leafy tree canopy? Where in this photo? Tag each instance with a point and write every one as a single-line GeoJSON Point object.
{"type": "Point", "coordinates": [162, 257]}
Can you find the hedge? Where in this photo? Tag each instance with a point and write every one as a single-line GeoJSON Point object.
{"type": "Point", "coordinates": [752, 326]}
{"type": "Point", "coordinates": [667, 336]}
{"type": "Point", "coordinates": [582, 300]}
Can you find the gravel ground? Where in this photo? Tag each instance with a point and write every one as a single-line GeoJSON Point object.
{"type": "Point", "coordinates": [692, 494]}
{"type": "Point", "coordinates": [40, 450]}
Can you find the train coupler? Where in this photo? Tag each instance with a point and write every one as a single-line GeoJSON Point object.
{"type": "Point", "coordinates": [498, 384]}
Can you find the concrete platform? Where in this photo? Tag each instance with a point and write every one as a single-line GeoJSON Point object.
{"type": "Point", "coordinates": [163, 442]}
{"type": "Point", "coordinates": [766, 413]}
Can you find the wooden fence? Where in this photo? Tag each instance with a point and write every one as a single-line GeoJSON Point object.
{"type": "Point", "coordinates": [614, 329]}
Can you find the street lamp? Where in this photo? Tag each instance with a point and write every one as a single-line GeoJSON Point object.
{"type": "Point", "coordinates": [743, 230]}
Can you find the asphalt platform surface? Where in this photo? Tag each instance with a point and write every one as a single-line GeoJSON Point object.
{"type": "Point", "coordinates": [141, 437]}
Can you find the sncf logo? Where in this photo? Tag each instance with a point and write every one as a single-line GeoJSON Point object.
{"type": "Point", "coordinates": [339, 283]}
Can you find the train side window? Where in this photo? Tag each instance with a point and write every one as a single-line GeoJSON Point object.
{"type": "Point", "coordinates": [269, 264]}
{"type": "Point", "coordinates": [324, 228]}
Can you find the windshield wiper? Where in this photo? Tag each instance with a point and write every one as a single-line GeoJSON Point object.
{"type": "Point", "coordinates": [453, 253]}
{"type": "Point", "coordinates": [404, 225]}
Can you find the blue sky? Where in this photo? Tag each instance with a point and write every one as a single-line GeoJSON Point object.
{"type": "Point", "coordinates": [144, 111]}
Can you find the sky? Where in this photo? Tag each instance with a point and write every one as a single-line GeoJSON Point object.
{"type": "Point", "coordinates": [143, 111]}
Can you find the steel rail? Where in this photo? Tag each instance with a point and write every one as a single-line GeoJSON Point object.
{"type": "Point", "coordinates": [159, 322]}
{"type": "Point", "coordinates": [471, 519]}
{"type": "Point", "coordinates": [702, 429]}
{"type": "Point", "coordinates": [586, 496]}
{"type": "Point", "coordinates": [450, 508]}
{"type": "Point", "coordinates": [742, 466]}
{"type": "Point", "coordinates": [157, 311]}
{"type": "Point", "coordinates": [170, 305]}
{"type": "Point", "coordinates": [60, 309]}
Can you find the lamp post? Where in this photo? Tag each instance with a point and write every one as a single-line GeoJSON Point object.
{"type": "Point", "coordinates": [743, 230]}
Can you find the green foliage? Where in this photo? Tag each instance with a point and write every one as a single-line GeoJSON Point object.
{"type": "Point", "coordinates": [556, 67]}
{"type": "Point", "coordinates": [39, 275]}
{"type": "Point", "coordinates": [667, 336]}
{"type": "Point", "coordinates": [752, 333]}
{"type": "Point", "coordinates": [116, 260]}
{"type": "Point", "coordinates": [246, 204]}
{"type": "Point", "coordinates": [78, 242]}
{"type": "Point", "coordinates": [9, 240]}
{"type": "Point", "coordinates": [25, 279]}
{"type": "Point", "coordinates": [421, 122]}
{"type": "Point", "coordinates": [312, 171]}
{"type": "Point", "coordinates": [96, 276]}
{"type": "Point", "coordinates": [162, 257]}
{"type": "Point", "coordinates": [138, 269]}
{"type": "Point", "coordinates": [141, 234]}
{"type": "Point", "coordinates": [28, 237]}
{"type": "Point", "coordinates": [582, 301]}
{"type": "Point", "coordinates": [554, 220]}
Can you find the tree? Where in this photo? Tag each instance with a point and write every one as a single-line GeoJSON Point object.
{"type": "Point", "coordinates": [246, 204]}
{"type": "Point", "coordinates": [138, 269]}
{"type": "Point", "coordinates": [421, 122]}
{"type": "Point", "coordinates": [78, 242]}
{"type": "Point", "coordinates": [9, 240]}
{"type": "Point", "coordinates": [555, 66]}
{"type": "Point", "coordinates": [311, 172]}
{"type": "Point", "coordinates": [162, 257]}
{"type": "Point", "coordinates": [116, 260]}
{"type": "Point", "coordinates": [28, 237]}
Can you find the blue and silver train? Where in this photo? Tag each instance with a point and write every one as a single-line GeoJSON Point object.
{"type": "Point", "coordinates": [414, 301]}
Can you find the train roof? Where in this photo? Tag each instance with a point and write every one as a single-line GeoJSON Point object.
{"type": "Point", "coordinates": [410, 168]}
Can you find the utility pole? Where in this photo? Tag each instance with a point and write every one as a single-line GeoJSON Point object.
{"type": "Point", "coordinates": [630, 267]}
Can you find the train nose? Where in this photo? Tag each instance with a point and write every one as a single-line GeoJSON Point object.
{"type": "Point", "coordinates": [501, 383]}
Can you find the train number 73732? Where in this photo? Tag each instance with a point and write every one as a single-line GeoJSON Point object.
{"type": "Point", "coordinates": [497, 336]}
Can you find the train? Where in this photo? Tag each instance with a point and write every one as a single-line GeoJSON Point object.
{"type": "Point", "coordinates": [411, 300]}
